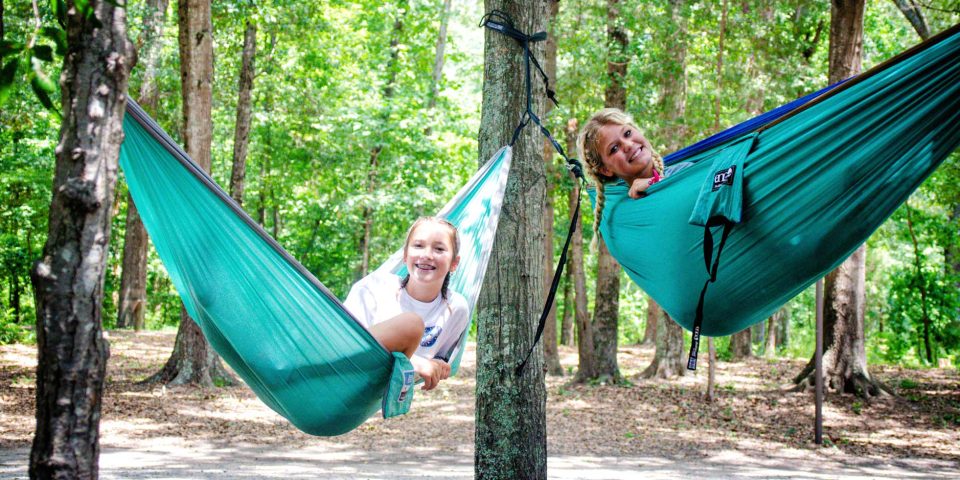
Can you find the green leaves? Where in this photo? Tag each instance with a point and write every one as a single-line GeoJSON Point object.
{"type": "Point", "coordinates": [7, 75]}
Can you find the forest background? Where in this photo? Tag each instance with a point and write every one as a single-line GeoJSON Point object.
{"type": "Point", "coordinates": [355, 132]}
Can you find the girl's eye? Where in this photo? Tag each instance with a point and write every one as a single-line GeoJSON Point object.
{"type": "Point", "coordinates": [614, 149]}
{"type": "Point", "coordinates": [628, 133]}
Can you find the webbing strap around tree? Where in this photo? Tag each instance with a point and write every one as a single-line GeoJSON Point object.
{"type": "Point", "coordinates": [500, 21]}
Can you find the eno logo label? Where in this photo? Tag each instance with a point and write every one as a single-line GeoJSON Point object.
{"type": "Point", "coordinates": [724, 177]}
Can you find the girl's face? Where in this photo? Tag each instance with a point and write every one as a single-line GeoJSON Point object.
{"type": "Point", "coordinates": [429, 254]}
{"type": "Point", "coordinates": [624, 152]}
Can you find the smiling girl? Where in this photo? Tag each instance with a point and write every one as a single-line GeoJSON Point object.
{"type": "Point", "coordinates": [417, 315]}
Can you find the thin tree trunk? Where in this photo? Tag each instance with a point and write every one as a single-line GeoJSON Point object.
{"type": "Point", "coordinates": [551, 355]}
{"type": "Point", "coordinates": [653, 314]}
{"type": "Point", "coordinates": [716, 99]}
{"type": "Point", "coordinates": [241, 138]}
{"type": "Point", "coordinates": [911, 10]}
{"type": "Point", "coordinates": [133, 279]}
{"type": "Point", "coordinates": [373, 164]}
{"type": "Point", "coordinates": [577, 274]}
{"type": "Point", "coordinates": [712, 370]}
{"type": "Point", "coordinates": [844, 355]}
{"type": "Point", "coordinates": [511, 410]}
{"type": "Point", "coordinates": [193, 361]}
{"type": "Point", "coordinates": [566, 322]}
{"type": "Point", "coordinates": [770, 347]}
{"type": "Point", "coordinates": [921, 285]}
{"type": "Point", "coordinates": [438, 59]}
{"type": "Point", "coordinates": [68, 279]}
{"type": "Point", "coordinates": [740, 345]}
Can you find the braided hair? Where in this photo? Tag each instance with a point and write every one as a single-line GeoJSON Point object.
{"type": "Point", "coordinates": [589, 147]}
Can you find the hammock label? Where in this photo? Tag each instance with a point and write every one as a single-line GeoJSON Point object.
{"type": "Point", "coordinates": [399, 392]}
{"type": "Point", "coordinates": [724, 177]}
{"type": "Point", "coordinates": [407, 384]}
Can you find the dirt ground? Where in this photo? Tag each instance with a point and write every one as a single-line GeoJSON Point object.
{"type": "Point", "coordinates": [656, 429]}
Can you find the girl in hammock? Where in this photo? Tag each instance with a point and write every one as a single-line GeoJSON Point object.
{"type": "Point", "coordinates": [417, 315]}
{"type": "Point", "coordinates": [613, 148]}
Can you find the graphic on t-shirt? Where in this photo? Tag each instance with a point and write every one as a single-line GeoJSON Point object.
{"type": "Point", "coordinates": [430, 336]}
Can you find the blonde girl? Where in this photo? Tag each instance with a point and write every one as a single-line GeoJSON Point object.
{"type": "Point", "coordinates": [612, 147]}
{"type": "Point", "coordinates": [417, 315]}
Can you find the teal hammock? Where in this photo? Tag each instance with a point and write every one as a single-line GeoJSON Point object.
{"type": "Point", "coordinates": [270, 319]}
{"type": "Point", "coordinates": [797, 196]}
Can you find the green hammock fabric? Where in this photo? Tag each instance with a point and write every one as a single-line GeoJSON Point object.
{"type": "Point", "coordinates": [285, 334]}
{"type": "Point", "coordinates": [815, 186]}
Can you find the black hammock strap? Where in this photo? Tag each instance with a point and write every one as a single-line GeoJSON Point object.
{"type": "Point", "coordinates": [501, 22]}
{"type": "Point", "coordinates": [712, 273]}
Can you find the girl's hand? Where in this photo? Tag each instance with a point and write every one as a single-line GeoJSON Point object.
{"type": "Point", "coordinates": [639, 186]}
{"type": "Point", "coordinates": [431, 371]}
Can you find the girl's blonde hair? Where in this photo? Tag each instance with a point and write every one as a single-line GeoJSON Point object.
{"type": "Point", "coordinates": [454, 237]}
{"type": "Point", "coordinates": [589, 147]}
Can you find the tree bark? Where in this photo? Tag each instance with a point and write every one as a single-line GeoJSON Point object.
{"type": "Point", "coordinates": [438, 59]}
{"type": "Point", "coordinates": [773, 323]}
{"type": "Point", "coordinates": [241, 137]}
{"type": "Point", "coordinates": [712, 370]}
{"type": "Point", "coordinates": [552, 176]}
{"type": "Point", "coordinates": [133, 278]}
{"type": "Point", "coordinates": [566, 322]}
{"type": "Point", "coordinates": [911, 10]}
{"type": "Point", "coordinates": [68, 279]}
{"type": "Point", "coordinates": [674, 79]}
{"type": "Point", "coordinates": [668, 359]}
{"type": "Point", "coordinates": [577, 275]}
{"type": "Point", "coordinates": [653, 315]}
{"type": "Point", "coordinates": [193, 361]}
{"type": "Point", "coordinates": [844, 355]}
{"type": "Point", "coordinates": [510, 414]}
{"type": "Point", "coordinates": [741, 345]}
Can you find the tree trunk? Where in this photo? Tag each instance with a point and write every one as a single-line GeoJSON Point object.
{"type": "Point", "coordinates": [577, 274]}
{"type": "Point", "coordinates": [921, 285]}
{"type": "Point", "coordinates": [773, 323]}
{"type": "Point", "coordinates": [241, 137]}
{"type": "Point", "coordinates": [68, 279]}
{"type": "Point", "coordinates": [653, 314]}
{"type": "Point", "coordinates": [673, 77]}
{"type": "Point", "coordinates": [911, 10]}
{"type": "Point", "coordinates": [716, 98]}
{"type": "Point", "coordinates": [438, 59]}
{"type": "Point", "coordinates": [668, 360]}
{"type": "Point", "coordinates": [566, 322]}
{"type": "Point", "coordinates": [552, 176]}
{"type": "Point", "coordinates": [510, 415]}
{"type": "Point", "coordinates": [712, 370]}
{"type": "Point", "coordinates": [193, 361]}
{"type": "Point", "coordinates": [133, 278]}
{"type": "Point", "coordinates": [741, 345]}
{"type": "Point", "coordinates": [373, 164]}
{"type": "Point", "coordinates": [844, 355]}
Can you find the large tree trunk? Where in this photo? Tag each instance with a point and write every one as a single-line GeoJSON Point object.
{"type": "Point", "coordinates": [241, 137]}
{"type": "Point", "coordinates": [741, 345]}
{"type": "Point", "coordinates": [668, 360]}
{"type": "Point", "coordinates": [133, 278]}
{"type": "Point", "coordinates": [374, 161]}
{"type": "Point", "coordinates": [68, 279]}
{"type": "Point", "coordinates": [193, 360]}
{"type": "Point", "coordinates": [550, 353]}
{"type": "Point", "coordinates": [511, 439]}
{"type": "Point", "coordinates": [844, 355]}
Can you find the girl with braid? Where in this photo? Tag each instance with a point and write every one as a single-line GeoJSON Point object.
{"type": "Point", "coordinates": [613, 148]}
{"type": "Point", "coordinates": [417, 315]}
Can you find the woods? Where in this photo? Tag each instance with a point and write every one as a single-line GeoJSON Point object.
{"type": "Point", "coordinates": [335, 125]}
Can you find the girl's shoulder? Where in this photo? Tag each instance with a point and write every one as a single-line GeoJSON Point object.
{"type": "Point", "coordinates": [457, 301]}
{"type": "Point", "coordinates": [378, 281]}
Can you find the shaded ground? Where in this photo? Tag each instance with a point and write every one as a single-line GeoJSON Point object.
{"type": "Point", "coordinates": [657, 429]}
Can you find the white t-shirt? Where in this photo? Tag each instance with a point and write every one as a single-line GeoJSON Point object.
{"type": "Point", "coordinates": [378, 297]}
